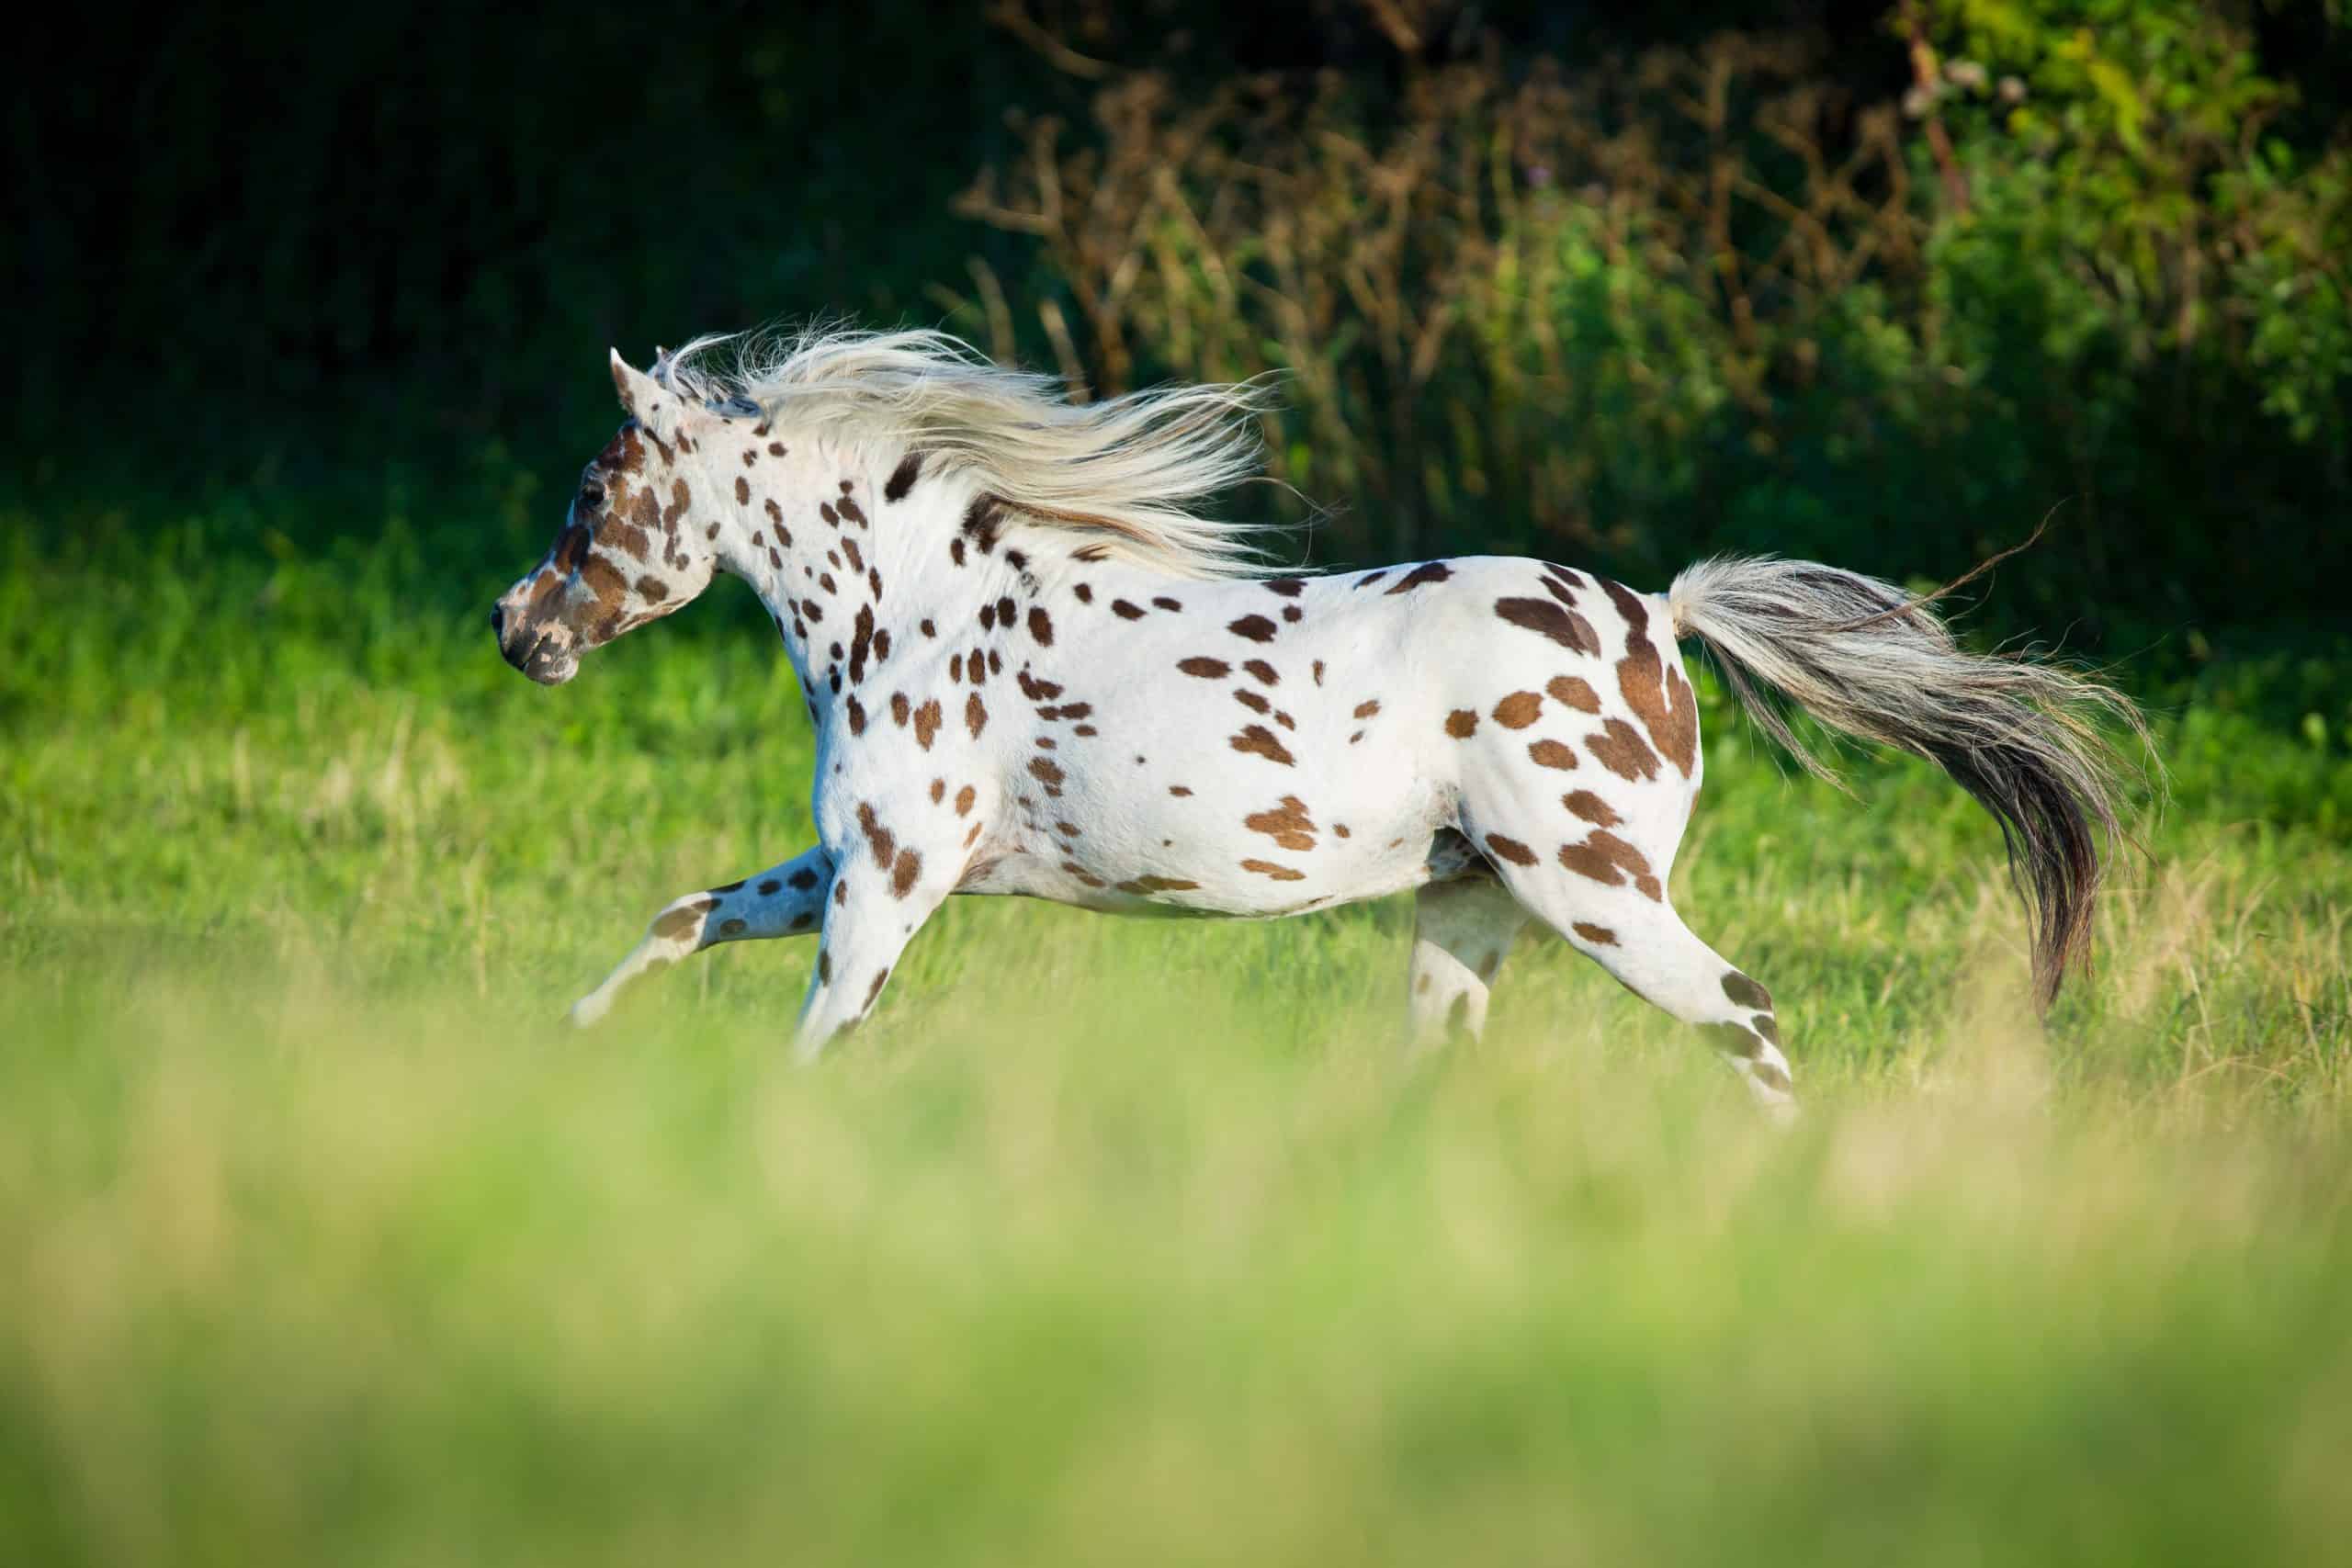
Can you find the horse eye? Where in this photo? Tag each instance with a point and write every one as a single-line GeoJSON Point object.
{"type": "Point", "coordinates": [592, 494]}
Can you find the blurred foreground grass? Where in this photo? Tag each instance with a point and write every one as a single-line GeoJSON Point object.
{"type": "Point", "coordinates": [1112, 1241]}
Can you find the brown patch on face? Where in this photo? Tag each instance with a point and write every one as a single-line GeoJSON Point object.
{"type": "Point", "coordinates": [964, 799]}
{"type": "Point", "coordinates": [1041, 626]}
{"type": "Point", "coordinates": [1591, 807]}
{"type": "Point", "coordinates": [1600, 936]}
{"type": "Point", "coordinates": [904, 871]}
{"type": "Point", "coordinates": [1562, 625]}
{"type": "Point", "coordinates": [1206, 668]}
{"type": "Point", "coordinates": [1262, 671]}
{"type": "Point", "coordinates": [926, 721]}
{"type": "Point", "coordinates": [902, 477]}
{"type": "Point", "coordinates": [1620, 750]}
{"type": "Point", "coordinates": [1462, 724]}
{"type": "Point", "coordinates": [1519, 710]}
{"type": "Point", "coordinates": [1510, 849]}
{"type": "Point", "coordinates": [1255, 628]}
{"type": "Point", "coordinates": [652, 590]}
{"type": "Point", "coordinates": [1569, 691]}
{"type": "Point", "coordinates": [1258, 740]}
{"type": "Point", "coordinates": [1142, 885]}
{"type": "Point", "coordinates": [1609, 860]}
{"type": "Point", "coordinates": [1289, 826]}
{"type": "Point", "coordinates": [1747, 992]}
{"type": "Point", "coordinates": [1278, 873]}
{"type": "Point", "coordinates": [976, 714]}
{"type": "Point", "coordinates": [602, 578]}
{"type": "Point", "coordinates": [1428, 571]}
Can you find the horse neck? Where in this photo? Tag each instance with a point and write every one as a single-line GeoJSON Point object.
{"type": "Point", "coordinates": [837, 561]}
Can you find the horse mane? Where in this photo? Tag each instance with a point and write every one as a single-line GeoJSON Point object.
{"type": "Point", "coordinates": [1119, 470]}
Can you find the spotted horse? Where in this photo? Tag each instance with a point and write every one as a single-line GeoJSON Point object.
{"type": "Point", "coordinates": [1033, 669]}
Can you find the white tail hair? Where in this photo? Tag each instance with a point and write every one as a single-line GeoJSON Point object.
{"type": "Point", "coordinates": [1122, 469]}
{"type": "Point", "coordinates": [2030, 738]}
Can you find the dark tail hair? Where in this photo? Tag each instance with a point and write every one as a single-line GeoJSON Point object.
{"type": "Point", "coordinates": [2028, 738]}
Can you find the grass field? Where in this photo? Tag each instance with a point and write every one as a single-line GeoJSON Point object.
{"type": "Point", "coordinates": [1134, 1241]}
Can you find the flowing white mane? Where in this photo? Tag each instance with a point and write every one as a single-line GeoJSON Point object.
{"type": "Point", "coordinates": [1121, 469]}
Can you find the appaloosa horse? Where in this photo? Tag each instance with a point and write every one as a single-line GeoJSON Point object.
{"type": "Point", "coordinates": [1032, 670]}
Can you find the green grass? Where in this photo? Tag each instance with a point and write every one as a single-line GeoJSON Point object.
{"type": "Point", "coordinates": [1111, 1241]}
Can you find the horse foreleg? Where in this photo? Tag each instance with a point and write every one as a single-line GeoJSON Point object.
{"type": "Point", "coordinates": [783, 900]}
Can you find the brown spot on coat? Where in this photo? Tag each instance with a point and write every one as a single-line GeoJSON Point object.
{"type": "Point", "coordinates": [1256, 628]}
{"type": "Point", "coordinates": [1428, 571]}
{"type": "Point", "coordinates": [902, 477]}
{"type": "Point", "coordinates": [1591, 807]}
{"type": "Point", "coordinates": [1278, 873]}
{"type": "Point", "coordinates": [1600, 936]}
{"type": "Point", "coordinates": [964, 798]}
{"type": "Point", "coordinates": [1609, 860]}
{"type": "Point", "coordinates": [1288, 825]}
{"type": "Point", "coordinates": [1252, 700]}
{"type": "Point", "coordinates": [1041, 626]}
{"type": "Point", "coordinates": [1563, 625]}
{"type": "Point", "coordinates": [1127, 612]}
{"type": "Point", "coordinates": [904, 871]}
{"type": "Point", "coordinates": [1367, 709]}
{"type": "Point", "coordinates": [1262, 671]}
{"type": "Point", "coordinates": [1258, 740]}
{"type": "Point", "coordinates": [1620, 750]}
{"type": "Point", "coordinates": [1551, 754]}
{"type": "Point", "coordinates": [1657, 693]}
{"type": "Point", "coordinates": [1206, 668]}
{"type": "Point", "coordinates": [1510, 849]}
{"type": "Point", "coordinates": [1519, 710]}
{"type": "Point", "coordinates": [1570, 690]}
{"type": "Point", "coordinates": [1747, 992]}
{"type": "Point", "coordinates": [1143, 885]}
{"type": "Point", "coordinates": [976, 714]}
{"type": "Point", "coordinates": [877, 838]}
{"type": "Point", "coordinates": [1462, 724]}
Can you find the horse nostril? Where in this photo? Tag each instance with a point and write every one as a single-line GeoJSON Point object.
{"type": "Point", "coordinates": [498, 621]}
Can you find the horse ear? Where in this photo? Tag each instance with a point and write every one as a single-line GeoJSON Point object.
{"type": "Point", "coordinates": [648, 401]}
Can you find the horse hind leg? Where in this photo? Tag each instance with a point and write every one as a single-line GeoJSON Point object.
{"type": "Point", "coordinates": [1641, 941]}
{"type": "Point", "coordinates": [1462, 930]}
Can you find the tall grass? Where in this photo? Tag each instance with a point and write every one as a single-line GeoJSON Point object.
{"type": "Point", "coordinates": [1111, 1241]}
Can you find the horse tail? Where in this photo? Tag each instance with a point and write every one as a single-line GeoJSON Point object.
{"type": "Point", "coordinates": [2028, 737]}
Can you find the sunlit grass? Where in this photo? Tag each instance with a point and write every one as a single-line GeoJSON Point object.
{"type": "Point", "coordinates": [1109, 1241]}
